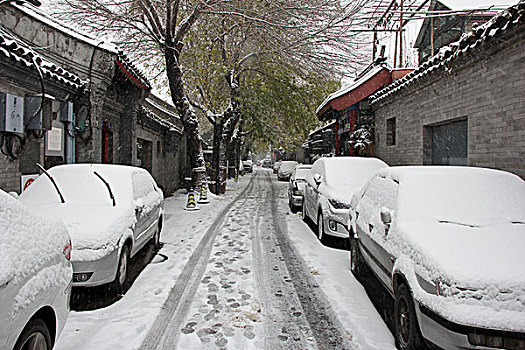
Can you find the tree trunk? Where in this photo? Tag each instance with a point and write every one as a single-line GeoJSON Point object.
{"type": "Point", "coordinates": [217, 132]}
{"type": "Point", "coordinates": [186, 112]}
{"type": "Point", "coordinates": [231, 116]}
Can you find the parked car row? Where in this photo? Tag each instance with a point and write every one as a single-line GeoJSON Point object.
{"type": "Point", "coordinates": [75, 225]}
{"type": "Point", "coordinates": [446, 242]}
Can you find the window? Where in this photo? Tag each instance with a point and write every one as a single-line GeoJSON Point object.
{"type": "Point", "coordinates": [391, 131]}
{"type": "Point", "coordinates": [144, 154]}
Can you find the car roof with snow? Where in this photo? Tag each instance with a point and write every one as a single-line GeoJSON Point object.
{"type": "Point", "coordinates": [349, 169]}
{"type": "Point", "coordinates": [288, 165]}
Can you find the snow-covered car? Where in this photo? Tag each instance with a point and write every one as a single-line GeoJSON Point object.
{"type": "Point", "coordinates": [285, 170]}
{"type": "Point", "coordinates": [35, 277]}
{"type": "Point", "coordinates": [296, 186]}
{"type": "Point", "coordinates": [448, 243]}
{"type": "Point", "coordinates": [248, 166]}
{"type": "Point", "coordinates": [330, 185]}
{"type": "Point", "coordinates": [276, 167]}
{"type": "Point", "coordinates": [267, 163]}
{"type": "Point", "coordinates": [111, 212]}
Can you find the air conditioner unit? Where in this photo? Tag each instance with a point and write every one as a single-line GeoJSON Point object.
{"type": "Point", "coordinates": [40, 121]}
{"type": "Point", "coordinates": [66, 111]}
{"type": "Point", "coordinates": [11, 113]}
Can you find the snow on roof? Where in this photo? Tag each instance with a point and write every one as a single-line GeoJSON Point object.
{"type": "Point", "coordinates": [164, 122]}
{"type": "Point", "coordinates": [354, 85]}
{"type": "Point", "coordinates": [497, 26]}
{"type": "Point", "coordinates": [327, 126]}
{"type": "Point", "coordinates": [128, 66]}
{"type": "Point", "coordinates": [38, 14]}
{"type": "Point", "coordinates": [14, 49]}
{"type": "Point", "coordinates": [163, 109]}
{"type": "Point", "coordinates": [458, 5]}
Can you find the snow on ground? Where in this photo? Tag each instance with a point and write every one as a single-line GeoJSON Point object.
{"type": "Point", "coordinates": [331, 268]}
{"type": "Point", "coordinates": [127, 321]}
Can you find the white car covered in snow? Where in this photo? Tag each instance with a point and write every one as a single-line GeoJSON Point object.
{"type": "Point", "coordinates": [330, 185]}
{"type": "Point", "coordinates": [285, 170]}
{"type": "Point", "coordinates": [449, 245]}
{"type": "Point", "coordinates": [111, 212]}
{"type": "Point", "coordinates": [35, 277]}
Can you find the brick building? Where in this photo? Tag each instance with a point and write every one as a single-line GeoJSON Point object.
{"type": "Point", "coordinates": [464, 106]}
{"type": "Point", "coordinates": [111, 115]}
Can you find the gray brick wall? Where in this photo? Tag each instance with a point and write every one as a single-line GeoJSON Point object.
{"type": "Point", "coordinates": [487, 87]}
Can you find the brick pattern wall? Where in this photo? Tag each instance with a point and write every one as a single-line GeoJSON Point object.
{"type": "Point", "coordinates": [486, 87]}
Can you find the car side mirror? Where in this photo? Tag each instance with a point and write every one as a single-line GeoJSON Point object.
{"type": "Point", "coordinates": [318, 178]}
{"type": "Point", "coordinates": [386, 218]}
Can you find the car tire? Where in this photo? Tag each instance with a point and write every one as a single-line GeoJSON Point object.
{"type": "Point", "coordinates": [34, 336]}
{"type": "Point", "coordinates": [406, 327]}
{"type": "Point", "coordinates": [121, 278]}
{"type": "Point", "coordinates": [320, 227]}
{"type": "Point", "coordinates": [356, 261]}
{"type": "Point", "coordinates": [156, 236]}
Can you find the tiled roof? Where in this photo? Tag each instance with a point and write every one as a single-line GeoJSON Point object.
{"type": "Point", "coordinates": [17, 51]}
{"type": "Point", "coordinates": [132, 71]}
{"type": "Point", "coordinates": [122, 60]}
{"type": "Point", "coordinates": [161, 121]}
{"type": "Point", "coordinates": [496, 27]}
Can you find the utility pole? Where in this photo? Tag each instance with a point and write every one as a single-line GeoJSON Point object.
{"type": "Point", "coordinates": [374, 48]}
{"type": "Point", "coordinates": [401, 36]}
{"type": "Point", "coordinates": [432, 30]}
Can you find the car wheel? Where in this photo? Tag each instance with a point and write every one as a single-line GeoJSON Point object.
{"type": "Point", "coordinates": [320, 227]}
{"type": "Point", "coordinates": [356, 261]}
{"type": "Point", "coordinates": [406, 328]}
{"type": "Point", "coordinates": [122, 271]}
{"type": "Point", "coordinates": [156, 236]}
{"type": "Point", "coordinates": [34, 336]}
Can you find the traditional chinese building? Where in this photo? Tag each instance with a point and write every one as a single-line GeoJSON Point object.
{"type": "Point", "coordinates": [464, 106]}
{"type": "Point", "coordinates": [97, 105]}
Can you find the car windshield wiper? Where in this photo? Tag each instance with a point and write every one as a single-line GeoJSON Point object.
{"type": "Point", "coordinates": [107, 185]}
{"type": "Point", "coordinates": [52, 181]}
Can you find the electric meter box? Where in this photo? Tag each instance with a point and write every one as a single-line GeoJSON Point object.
{"type": "Point", "coordinates": [66, 111]}
{"type": "Point", "coordinates": [11, 113]}
{"type": "Point", "coordinates": [40, 121]}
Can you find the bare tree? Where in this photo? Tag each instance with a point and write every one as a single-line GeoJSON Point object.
{"type": "Point", "coordinates": [302, 36]}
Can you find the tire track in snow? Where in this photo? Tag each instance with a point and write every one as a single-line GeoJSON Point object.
{"type": "Point", "coordinates": [326, 327]}
{"type": "Point", "coordinates": [165, 330]}
{"type": "Point", "coordinates": [283, 304]}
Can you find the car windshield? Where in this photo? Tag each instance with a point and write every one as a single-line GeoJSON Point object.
{"type": "Point", "coordinates": [79, 184]}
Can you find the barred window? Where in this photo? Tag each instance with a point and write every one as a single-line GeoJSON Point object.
{"type": "Point", "coordinates": [391, 131]}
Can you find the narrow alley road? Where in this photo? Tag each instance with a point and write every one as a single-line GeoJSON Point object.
{"type": "Point", "coordinates": [245, 286]}
{"type": "Point", "coordinates": [241, 273]}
